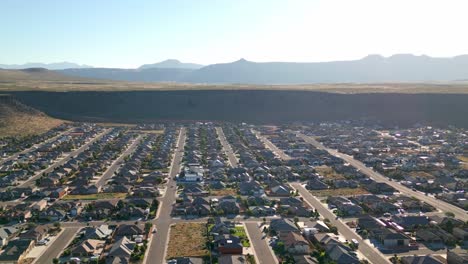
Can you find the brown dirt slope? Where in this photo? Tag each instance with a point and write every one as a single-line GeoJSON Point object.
{"type": "Point", "coordinates": [17, 119]}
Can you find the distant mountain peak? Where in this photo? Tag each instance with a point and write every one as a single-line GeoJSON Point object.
{"type": "Point", "coordinates": [171, 63]}
{"type": "Point", "coordinates": [373, 57]}
{"type": "Point", "coordinates": [241, 60]}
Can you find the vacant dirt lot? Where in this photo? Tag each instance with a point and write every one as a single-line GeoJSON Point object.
{"type": "Point", "coordinates": [329, 173]}
{"type": "Point", "coordinates": [464, 160]}
{"type": "Point", "coordinates": [223, 192]}
{"type": "Point", "coordinates": [339, 192]}
{"type": "Point", "coordinates": [187, 240]}
{"type": "Point", "coordinates": [94, 196]}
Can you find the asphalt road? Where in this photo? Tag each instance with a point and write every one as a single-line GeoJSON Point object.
{"type": "Point", "coordinates": [439, 204]}
{"type": "Point", "coordinates": [260, 245]}
{"type": "Point", "coordinates": [31, 181]}
{"type": "Point", "coordinates": [227, 148]}
{"type": "Point", "coordinates": [371, 253]}
{"type": "Point", "coordinates": [15, 156]}
{"type": "Point", "coordinates": [157, 250]}
{"type": "Point", "coordinates": [280, 153]}
{"type": "Point", "coordinates": [117, 163]}
{"type": "Point", "coordinates": [60, 243]}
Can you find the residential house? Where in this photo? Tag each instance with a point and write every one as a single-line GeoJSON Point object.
{"type": "Point", "coordinates": [457, 256]}
{"type": "Point", "coordinates": [89, 247]}
{"type": "Point", "coordinates": [341, 255]}
{"type": "Point", "coordinates": [185, 260]}
{"type": "Point", "coordinates": [461, 234]}
{"type": "Point", "coordinates": [39, 205]}
{"type": "Point", "coordinates": [129, 230]}
{"type": "Point", "coordinates": [52, 214]}
{"type": "Point", "coordinates": [101, 232]}
{"type": "Point", "coordinates": [16, 251]}
{"type": "Point", "coordinates": [283, 225]}
{"type": "Point", "coordinates": [122, 249]}
{"type": "Point", "coordinates": [295, 243]}
{"type": "Point", "coordinates": [229, 244]}
{"type": "Point", "coordinates": [250, 188]}
{"type": "Point", "coordinates": [379, 188]}
{"type": "Point", "coordinates": [58, 193]}
{"type": "Point", "coordinates": [317, 226]}
{"type": "Point", "coordinates": [232, 259]}
{"type": "Point", "coordinates": [427, 259]}
{"type": "Point", "coordinates": [6, 233]}
{"type": "Point", "coordinates": [228, 207]}
{"type": "Point", "coordinates": [392, 239]}
{"type": "Point", "coordinates": [345, 206]}
{"type": "Point", "coordinates": [280, 190]}
{"type": "Point", "coordinates": [435, 236]}
{"type": "Point", "coordinates": [262, 210]}
{"type": "Point", "coordinates": [35, 233]}
{"type": "Point", "coordinates": [410, 222]}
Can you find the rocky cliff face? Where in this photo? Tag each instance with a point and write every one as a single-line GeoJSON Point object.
{"type": "Point", "coordinates": [251, 106]}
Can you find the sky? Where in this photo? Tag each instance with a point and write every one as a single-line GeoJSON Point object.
{"type": "Point", "coordinates": [127, 34]}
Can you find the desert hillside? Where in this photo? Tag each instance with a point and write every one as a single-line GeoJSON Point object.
{"type": "Point", "coordinates": [17, 119]}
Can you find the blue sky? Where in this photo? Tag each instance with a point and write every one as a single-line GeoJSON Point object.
{"type": "Point", "coordinates": [124, 33]}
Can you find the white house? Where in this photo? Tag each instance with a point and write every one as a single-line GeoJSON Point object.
{"type": "Point", "coordinates": [193, 173]}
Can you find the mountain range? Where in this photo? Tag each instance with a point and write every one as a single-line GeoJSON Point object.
{"type": "Point", "coordinates": [373, 68]}
{"type": "Point", "coordinates": [49, 66]}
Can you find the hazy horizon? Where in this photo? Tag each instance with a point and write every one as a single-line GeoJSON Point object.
{"type": "Point", "coordinates": [122, 34]}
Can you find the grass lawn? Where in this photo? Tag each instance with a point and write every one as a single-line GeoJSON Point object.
{"type": "Point", "coordinates": [421, 174]}
{"type": "Point", "coordinates": [94, 196]}
{"type": "Point", "coordinates": [329, 173]}
{"type": "Point", "coordinates": [240, 232]}
{"type": "Point", "coordinates": [339, 192]}
{"type": "Point", "coordinates": [187, 240]}
{"type": "Point", "coordinates": [224, 192]}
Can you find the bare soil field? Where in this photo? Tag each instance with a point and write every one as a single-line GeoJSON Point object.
{"type": "Point", "coordinates": [329, 173]}
{"type": "Point", "coordinates": [187, 240]}
{"type": "Point", "coordinates": [38, 80]}
{"type": "Point", "coordinates": [339, 192]}
{"type": "Point", "coordinates": [223, 192]}
{"type": "Point", "coordinates": [94, 196]}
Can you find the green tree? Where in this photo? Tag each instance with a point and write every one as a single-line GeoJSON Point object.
{"type": "Point", "coordinates": [57, 225]}
{"type": "Point", "coordinates": [449, 226]}
{"type": "Point", "coordinates": [449, 214]}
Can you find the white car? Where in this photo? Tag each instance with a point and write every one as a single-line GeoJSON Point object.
{"type": "Point", "coordinates": [76, 260]}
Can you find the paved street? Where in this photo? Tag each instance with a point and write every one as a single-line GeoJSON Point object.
{"type": "Point", "coordinates": [371, 253]}
{"type": "Point", "coordinates": [156, 252]}
{"type": "Point", "coordinates": [59, 244]}
{"type": "Point", "coordinates": [117, 163]}
{"type": "Point", "coordinates": [31, 181]}
{"type": "Point", "coordinates": [260, 245]}
{"type": "Point", "coordinates": [446, 207]}
{"type": "Point", "coordinates": [227, 148]}
{"type": "Point", "coordinates": [280, 153]}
